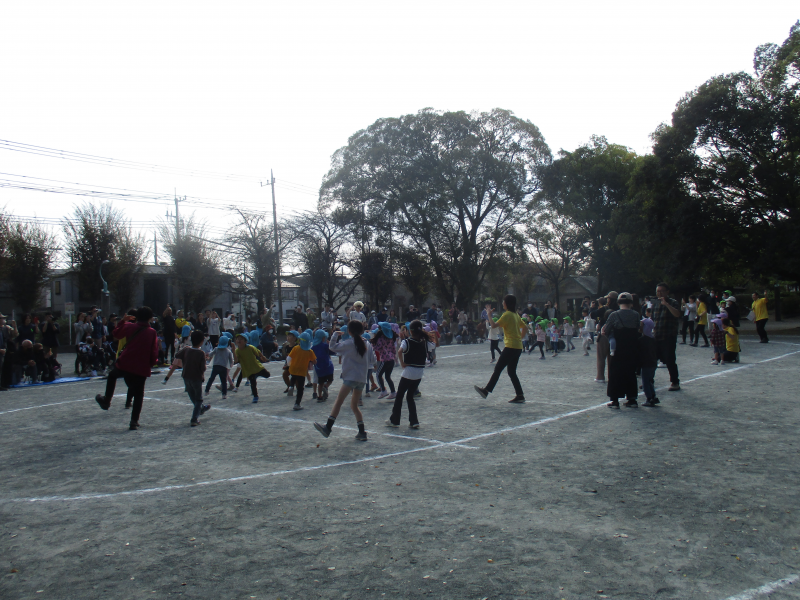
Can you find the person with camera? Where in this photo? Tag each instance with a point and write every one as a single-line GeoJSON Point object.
{"type": "Point", "coordinates": [8, 333]}
{"type": "Point", "coordinates": [135, 362]}
{"type": "Point", "coordinates": [50, 332]}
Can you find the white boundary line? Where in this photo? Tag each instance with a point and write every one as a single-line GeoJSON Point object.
{"type": "Point", "coordinates": [304, 422]}
{"type": "Point", "coordinates": [356, 461]}
{"type": "Point", "coordinates": [765, 589]}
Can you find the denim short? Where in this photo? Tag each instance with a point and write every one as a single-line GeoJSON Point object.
{"type": "Point", "coordinates": [719, 349]}
{"type": "Point", "coordinates": [356, 385]}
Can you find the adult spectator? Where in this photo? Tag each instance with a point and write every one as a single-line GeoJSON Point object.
{"type": "Point", "coordinates": [213, 324]}
{"type": "Point", "coordinates": [732, 308]}
{"type": "Point", "coordinates": [200, 323]}
{"type": "Point", "coordinates": [624, 325]}
{"type": "Point", "coordinates": [229, 323]}
{"type": "Point", "coordinates": [732, 349]}
{"type": "Point", "coordinates": [594, 311]}
{"type": "Point", "coordinates": [312, 317]}
{"type": "Point", "coordinates": [328, 318]}
{"type": "Point", "coordinates": [98, 330]}
{"type": "Point", "coordinates": [170, 329]}
{"type": "Point", "coordinates": [603, 347]}
{"type": "Point", "coordinates": [299, 319]}
{"type": "Point", "coordinates": [372, 320]}
{"type": "Point", "coordinates": [383, 315]}
{"type": "Point", "coordinates": [192, 318]}
{"type": "Point", "coordinates": [712, 302]}
{"type": "Point", "coordinates": [26, 361]}
{"type": "Point", "coordinates": [667, 318]}
{"type": "Point", "coordinates": [392, 318]}
{"type": "Point", "coordinates": [703, 304]}
{"type": "Point", "coordinates": [50, 331]}
{"type": "Point", "coordinates": [7, 336]}
{"type": "Point", "coordinates": [432, 314]}
{"type": "Point", "coordinates": [135, 362]}
{"type": "Point", "coordinates": [356, 314]}
{"type": "Point", "coordinates": [28, 329]}
{"type": "Point", "coordinates": [453, 314]}
{"type": "Point", "coordinates": [689, 307]}
{"type": "Point", "coordinates": [759, 307]}
{"type": "Point", "coordinates": [413, 313]}
{"type": "Point", "coordinates": [462, 326]}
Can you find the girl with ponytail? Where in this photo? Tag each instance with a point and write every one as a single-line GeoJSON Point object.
{"type": "Point", "coordinates": [357, 357]}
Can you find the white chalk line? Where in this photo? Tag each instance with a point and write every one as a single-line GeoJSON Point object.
{"type": "Point", "coordinates": [766, 589]}
{"type": "Point", "coordinates": [351, 462]}
{"type": "Point", "coordinates": [251, 413]}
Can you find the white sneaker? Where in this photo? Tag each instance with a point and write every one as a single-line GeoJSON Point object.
{"type": "Point", "coordinates": [599, 380]}
{"type": "Point", "coordinates": [390, 424]}
{"type": "Point", "coordinates": [392, 396]}
{"type": "Point", "coordinates": [383, 394]}
{"type": "Point", "coordinates": [714, 362]}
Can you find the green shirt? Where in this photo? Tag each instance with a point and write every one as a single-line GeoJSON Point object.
{"type": "Point", "coordinates": [511, 324]}
{"type": "Point", "coordinates": [248, 359]}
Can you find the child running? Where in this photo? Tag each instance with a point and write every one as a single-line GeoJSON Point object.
{"type": "Point", "coordinates": [541, 336]}
{"type": "Point", "coordinates": [411, 356]}
{"type": "Point", "coordinates": [554, 336]}
{"type": "Point", "coordinates": [513, 329]}
{"type": "Point", "coordinates": [586, 337]}
{"type": "Point", "coordinates": [323, 367]}
{"type": "Point", "coordinates": [221, 360]}
{"type": "Point", "coordinates": [569, 331]}
{"type": "Point", "coordinates": [194, 368]}
{"type": "Point", "coordinates": [385, 345]}
{"type": "Point", "coordinates": [357, 355]}
{"type": "Point", "coordinates": [299, 362]}
{"type": "Point", "coordinates": [248, 357]}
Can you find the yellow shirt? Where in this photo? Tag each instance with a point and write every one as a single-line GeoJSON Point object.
{"type": "Point", "coordinates": [702, 314]}
{"type": "Point", "coordinates": [511, 323]}
{"type": "Point", "coordinates": [732, 340]}
{"type": "Point", "coordinates": [248, 359]}
{"type": "Point", "coordinates": [300, 361]}
{"type": "Point", "coordinates": [760, 308]}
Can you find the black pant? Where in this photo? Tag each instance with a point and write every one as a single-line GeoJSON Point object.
{"type": "Point", "coordinates": [494, 345]}
{"type": "Point", "coordinates": [687, 324]}
{"type": "Point", "coordinates": [509, 357]}
{"type": "Point", "coordinates": [407, 388]}
{"type": "Point", "coordinates": [222, 372]}
{"type": "Point", "coordinates": [169, 340]}
{"type": "Point", "coordinates": [665, 350]}
{"type": "Point", "coordinates": [299, 383]}
{"type": "Point", "coordinates": [214, 339]}
{"type": "Point", "coordinates": [135, 385]}
{"type": "Point", "coordinates": [761, 329]}
{"type": "Point", "coordinates": [252, 379]}
{"type": "Point", "coordinates": [540, 345]}
{"type": "Point", "coordinates": [700, 330]}
{"type": "Point", "coordinates": [385, 369]}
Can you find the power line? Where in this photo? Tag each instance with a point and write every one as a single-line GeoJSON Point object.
{"type": "Point", "coordinates": [123, 164]}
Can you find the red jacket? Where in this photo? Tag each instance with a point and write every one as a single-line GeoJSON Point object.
{"type": "Point", "coordinates": [140, 352]}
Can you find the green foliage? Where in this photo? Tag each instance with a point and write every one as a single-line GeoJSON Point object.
{"type": "Point", "coordinates": [195, 262]}
{"type": "Point", "coordinates": [29, 253]}
{"type": "Point", "coordinates": [453, 185]}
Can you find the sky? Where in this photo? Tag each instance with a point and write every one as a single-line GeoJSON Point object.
{"type": "Point", "coordinates": [249, 88]}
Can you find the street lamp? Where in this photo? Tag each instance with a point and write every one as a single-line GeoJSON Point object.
{"type": "Point", "coordinates": [104, 291]}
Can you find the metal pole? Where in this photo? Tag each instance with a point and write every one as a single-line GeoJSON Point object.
{"type": "Point", "coordinates": [277, 252]}
{"type": "Point", "coordinates": [155, 246]}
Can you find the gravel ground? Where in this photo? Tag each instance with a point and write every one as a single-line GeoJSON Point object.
{"type": "Point", "coordinates": [556, 498]}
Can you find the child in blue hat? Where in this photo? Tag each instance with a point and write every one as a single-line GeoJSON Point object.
{"type": "Point", "coordinates": [323, 368]}
{"type": "Point", "coordinates": [221, 361]}
{"type": "Point", "coordinates": [298, 363]}
{"type": "Point", "coordinates": [385, 345]}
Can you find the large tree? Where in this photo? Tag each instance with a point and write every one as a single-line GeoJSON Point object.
{"type": "Point", "coordinates": [453, 185]}
{"type": "Point", "coordinates": [195, 262]}
{"type": "Point", "coordinates": [734, 146]}
{"type": "Point", "coordinates": [29, 251]}
{"type": "Point", "coordinates": [99, 232]}
{"type": "Point", "coordinates": [321, 249]}
{"type": "Point", "coordinates": [252, 243]}
{"type": "Point", "coordinates": [587, 186]}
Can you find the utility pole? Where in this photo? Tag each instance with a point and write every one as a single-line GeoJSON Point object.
{"type": "Point", "coordinates": [277, 251]}
{"type": "Point", "coordinates": [155, 248]}
{"type": "Point", "coordinates": [177, 219]}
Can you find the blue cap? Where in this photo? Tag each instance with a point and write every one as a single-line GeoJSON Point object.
{"type": "Point", "coordinates": [366, 336]}
{"type": "Point", "coordinates": [223, 341]}
{"type": "Point", "coordinates": [386, 328]}
{"type": "Point", "coordinates": [320, 335]}
{"type": "Point", "coordinates": [294, 333]}
{"type": "Point", "coordinates": [227, 334]}
{"type": "Point", "coordinates": [186, 331]}
{"type": "Point", "coordinates": [253, 338]}
{"type": "Point", "coordinates": [305, 340]}
{"type": "Point", "coordinates": [345, 335]}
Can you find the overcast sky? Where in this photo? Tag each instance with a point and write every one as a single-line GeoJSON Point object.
{"type": "Point", "coordinates": [247, 87]}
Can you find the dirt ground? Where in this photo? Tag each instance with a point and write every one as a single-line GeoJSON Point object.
{"type": "Point", "coordinates": [556, 498]}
